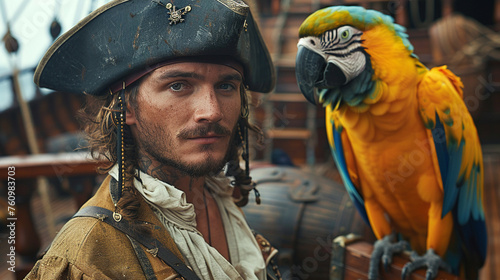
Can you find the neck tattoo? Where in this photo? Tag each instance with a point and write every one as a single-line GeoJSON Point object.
{"type": "Point", "coordinates": [157, 169]}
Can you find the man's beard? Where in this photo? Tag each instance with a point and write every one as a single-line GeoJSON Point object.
{"type": "Point", "coordinates": [159, 148]}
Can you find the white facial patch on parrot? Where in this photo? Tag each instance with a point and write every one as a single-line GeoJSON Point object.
{"type": "Point", "coordinates": [342, 47]}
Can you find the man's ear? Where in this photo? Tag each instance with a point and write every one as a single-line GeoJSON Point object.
{"type": "Point", "coordinates": [130, 115]}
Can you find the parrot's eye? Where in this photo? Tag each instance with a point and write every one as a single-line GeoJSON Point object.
{"type": "Point", "coordinates": [341, 36]}
{"type": "Point", "coordinates": [345, 33]}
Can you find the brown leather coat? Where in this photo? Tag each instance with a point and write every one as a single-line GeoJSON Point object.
{"type": "Point", "coordinates": [87, 248]}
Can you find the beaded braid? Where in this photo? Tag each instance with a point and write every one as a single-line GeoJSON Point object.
{"type": "Point", "coordinates": [128, 205]}
{"type": "Point", "coordinates": [101, 129]}
{"type": "Point", "coordinates": [242, 181]}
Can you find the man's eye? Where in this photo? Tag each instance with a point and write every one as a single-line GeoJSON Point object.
{"type": "Point", "coordinates": [177, 86]}
{"type": "Point", "coordinates": [226, 86]}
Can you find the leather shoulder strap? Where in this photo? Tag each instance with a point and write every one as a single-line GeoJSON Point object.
{"type": "Point", "coordinates": [153, 246]}
{"type": "Point", "coordinates": [143, 260]}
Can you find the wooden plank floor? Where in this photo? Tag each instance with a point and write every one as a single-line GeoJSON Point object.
{"type": "Point", "coordinates": [63, 208]}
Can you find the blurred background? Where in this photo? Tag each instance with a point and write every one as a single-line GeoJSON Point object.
{"type": "Point", "coordinates": [54, 179]}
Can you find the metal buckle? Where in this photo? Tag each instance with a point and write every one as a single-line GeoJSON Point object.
{"type": "Point", "coordinates": [101, 216]}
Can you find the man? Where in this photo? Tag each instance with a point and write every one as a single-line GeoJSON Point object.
{"type": "Point", "coordinates": [167, 106]}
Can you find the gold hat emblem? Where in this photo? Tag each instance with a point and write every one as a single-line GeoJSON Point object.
{"type": "Point", "coordinates": [175, 14]}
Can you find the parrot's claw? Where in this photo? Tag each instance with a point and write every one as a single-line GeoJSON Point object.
{"type": "Point", "coordinates": [430, 260]}
{"type": "Point", "coordinates": [383, 250]}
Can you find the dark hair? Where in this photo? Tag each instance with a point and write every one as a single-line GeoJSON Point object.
{"type": "Point", "coordinates": [97, 120]}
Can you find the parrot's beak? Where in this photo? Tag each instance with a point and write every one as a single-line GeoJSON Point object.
{"type": "Point", "coordinates": [308, 68]}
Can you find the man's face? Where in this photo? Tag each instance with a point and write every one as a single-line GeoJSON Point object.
{"type": "Point", "coordinates": [186, 114]}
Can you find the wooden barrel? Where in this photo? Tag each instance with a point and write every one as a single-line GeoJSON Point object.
{"type": "Point", "coordinates": [300, 214]}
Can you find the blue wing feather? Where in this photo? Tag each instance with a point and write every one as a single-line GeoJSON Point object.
{"type": "Point", "coordinates": [338, 156]}
{"type": "Point", "coordinates": [450, 161]}
{"type": "Point", "coordinates": [460, 197]}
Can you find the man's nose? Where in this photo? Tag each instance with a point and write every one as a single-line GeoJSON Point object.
{"type": "Point", "coordinates": [208, 107]}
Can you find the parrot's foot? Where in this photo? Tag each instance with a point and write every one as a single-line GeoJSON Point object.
{"type": "Point", "coordinates": [430, 260]}
{"type": "Point", "coordinates": [384, 249]}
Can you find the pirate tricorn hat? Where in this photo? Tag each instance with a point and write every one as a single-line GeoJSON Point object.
{"type": "Point", "coordinates": [128, 37]}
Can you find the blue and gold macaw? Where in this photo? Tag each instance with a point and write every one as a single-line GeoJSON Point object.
{"type": "Point", "coordinates": [401, 136]}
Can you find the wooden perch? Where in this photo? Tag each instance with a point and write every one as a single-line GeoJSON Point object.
{"type": "Point", "coordinates": [351, 259]}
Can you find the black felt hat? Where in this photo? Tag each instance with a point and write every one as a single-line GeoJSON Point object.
{"type": "Point", "coordinates": [124, 37]}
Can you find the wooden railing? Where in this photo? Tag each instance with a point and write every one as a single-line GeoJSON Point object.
{"type": "Point", "coordinates": [48, 165]}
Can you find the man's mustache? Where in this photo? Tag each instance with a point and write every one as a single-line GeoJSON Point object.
{"type": "Point", "coordinates": [203, 131]}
